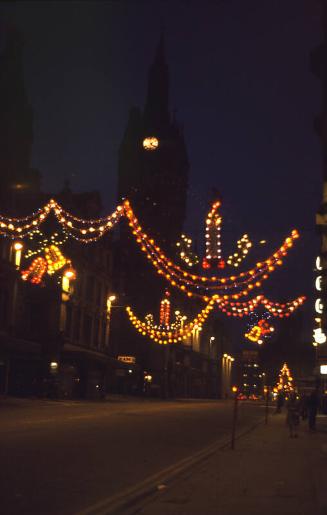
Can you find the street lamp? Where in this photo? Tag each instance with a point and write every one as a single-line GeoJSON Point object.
{"type": "Point", "coordinates": [18, 247]}
{"type": "Point", "coordinates": [211, 340]}
{"type": "Point", "coordinates": [110, 300]}
{"type": "Point", "coordinates": [68, 276]}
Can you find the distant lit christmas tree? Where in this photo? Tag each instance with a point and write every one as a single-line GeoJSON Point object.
{"type": "Point", "coordinates": [285, 380]}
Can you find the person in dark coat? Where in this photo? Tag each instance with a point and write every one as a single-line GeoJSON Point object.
{"type": "Point", "coordinates": [293, 417]}
{"type": "Point", "coordinates": [280, 402]}
{"type": "Point", "coordinates": [313, 404]}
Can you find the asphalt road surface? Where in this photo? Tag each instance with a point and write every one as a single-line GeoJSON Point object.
{"type": "Point", "coordinates": [58, 458]}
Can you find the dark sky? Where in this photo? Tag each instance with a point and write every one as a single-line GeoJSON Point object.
{"type": "Point", "coordinates": [241, 84]}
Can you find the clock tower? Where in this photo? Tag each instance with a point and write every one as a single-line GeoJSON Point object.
{"type": "Point", "coordinates": [153, 175]}
{"type": "Point", "coordinates": [153, 163]}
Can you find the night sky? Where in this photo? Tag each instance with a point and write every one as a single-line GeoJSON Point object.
{"type": "Point", "coordinates": [242, 87]}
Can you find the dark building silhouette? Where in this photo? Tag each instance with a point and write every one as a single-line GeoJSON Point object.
{"type": "Point", "coordinates": [319, 68]}
{"type": "Point", "coordinates": [53, 341]}
{"type": "Point", "coordinates": [16, 122]}
{"type": "Point", "coordinates": [153, 175]}
{"type": "Point", "coordinates": [64, 341]}
{"type": "Point", "coordinates": [155, 179]}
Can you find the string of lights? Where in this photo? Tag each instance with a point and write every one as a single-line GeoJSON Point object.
{"type": "Point", "coordinates": [42, 242]}
{"type": "Point", "coordinates": [169, 334]}
{"type": "Point", "coordinates": [88, 231]}
{"type": "Point", "coordinates": [278, 310]}
{"type": "Point", "coordinates": [186, 281]}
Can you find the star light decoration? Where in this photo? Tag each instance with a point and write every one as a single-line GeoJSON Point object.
{"type": "Point", "coordinates": [231, 294]}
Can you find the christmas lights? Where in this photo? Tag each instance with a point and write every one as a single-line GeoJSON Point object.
{"type": "Point", "coordinates": [285, 381]}
{"type": "Point", "coordinates": [55, 259]}
{"type": "Point", "coordinates": [39, 242]}
{"type": "Point", "coordinates": [168, 334]}
{"type": "Point", "coordinates": [202, 286]}
{"type": "Point", "coordinates": [212, 235]}
{"type": "Point", "coordinates": [243, 245]}
{"type": "Point", "coordinates": [222, 288]}
{"type": "Point", "coordinates": [165, 310]}
{"type": "Point", "coordinates": [276, 309]}
{"type": "Point", "coordinates": [259, 328]}
{"type": "Point", "coordinates": [36, 271]}
{"type": "Point", "coordinates": [82, 230]}
{"type": "Point", "coordinates": [186, 253]}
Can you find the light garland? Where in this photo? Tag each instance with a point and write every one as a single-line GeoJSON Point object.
{"type": "Point", "coordinates": [243, 245]}
{"type": "Point", "coordinates": [85, 231]}
{"type": "Point", "coordinates": [226, 288]}
{"type": "Point", "coordinates": [169, 334]}
{"type": "Point", "coordinates": [276, 309]}
{"type": "Point", "coordinates": [193, 284]}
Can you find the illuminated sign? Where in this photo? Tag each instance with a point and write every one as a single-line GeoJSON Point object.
{"type": "Point", "coordinates": [127, 359]}
{"type": "Point", "coordinates": [323, 369]}
{"type": "Point", "coordinates": [319, 306]}
{"type": "Point", "coordinates": [318, 263]}
{"type": "Point", "coordinates": [318, 282]}
{"type": "Point", "coordinates": [319, 336]}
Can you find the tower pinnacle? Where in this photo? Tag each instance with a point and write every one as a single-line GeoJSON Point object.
{"type": "Point", "coordinates": [156, 110]}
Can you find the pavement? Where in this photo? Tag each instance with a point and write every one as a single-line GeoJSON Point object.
{"type": "Point", "coordinates": [267, 473]}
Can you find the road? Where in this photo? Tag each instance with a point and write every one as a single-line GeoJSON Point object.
{"type": "Point", "coordinates": [62, 457]}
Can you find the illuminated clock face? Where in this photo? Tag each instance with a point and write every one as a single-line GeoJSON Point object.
{"type": "Point", "coordinates": [150, 143]}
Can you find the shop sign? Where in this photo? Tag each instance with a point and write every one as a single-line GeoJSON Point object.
{"type": "Point", "coordinates": [131, 360]}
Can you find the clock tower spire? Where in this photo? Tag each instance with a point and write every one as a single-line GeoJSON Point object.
{"type": "Point", "coordinates": [156, 109]}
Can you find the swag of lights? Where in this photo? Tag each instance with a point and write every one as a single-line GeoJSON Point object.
{"type": "Point", "coordinates": [87, 231]}
{"type": "Point", "coordinates": [276, 309]}
{"type": "Point", "coordinates": [170, 334]}
{"type": "Point", "coordinates": [204, 287]}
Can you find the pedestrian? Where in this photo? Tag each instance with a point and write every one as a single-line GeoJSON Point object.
{"type": "Point", "coordinates": [313, 403]}
{"type": "Point", "coordinates": [293, 417]}
{"type": "Point", "coordinates": [280, 402]}
{"type": "Point", "coordinates": [304, 406]}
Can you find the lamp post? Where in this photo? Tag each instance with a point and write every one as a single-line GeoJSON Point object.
{"type": "Point", "coordinates": [266, 392]}
{"type": "Point", "coordinates": [211, 340]}
{"type": "Point", "coordinates": [232, 443]}
{"type": "Point", "coordinates": [110, 300]}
